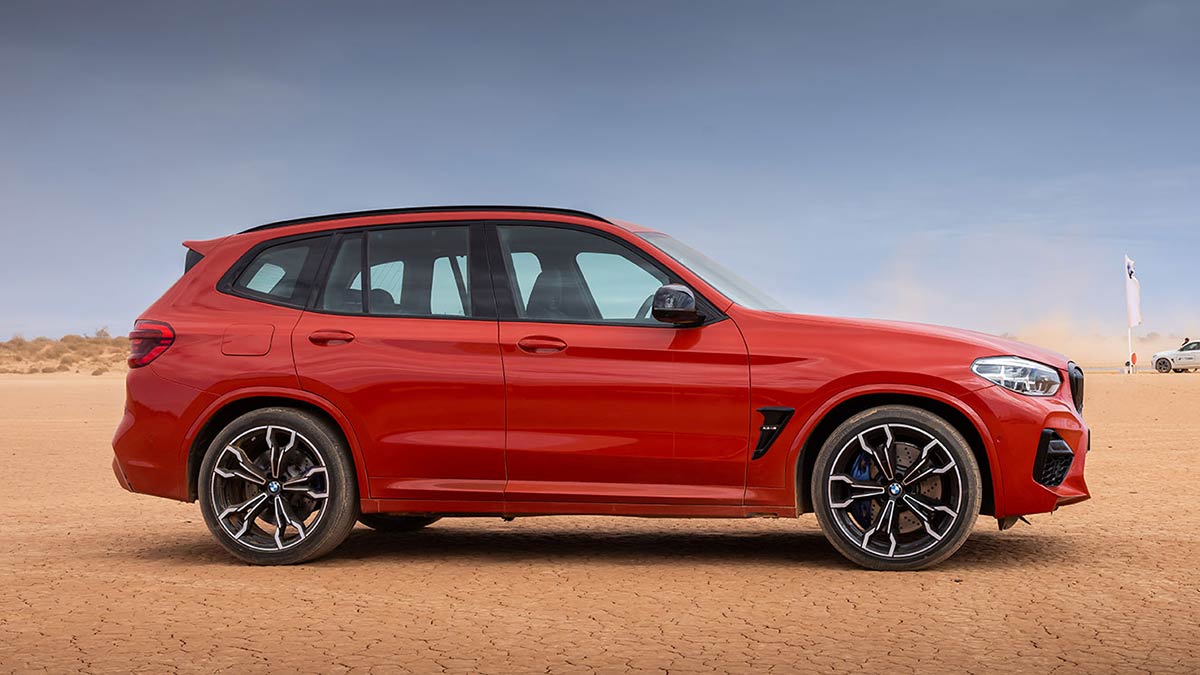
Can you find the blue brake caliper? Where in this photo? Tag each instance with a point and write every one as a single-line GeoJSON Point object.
{"type": "Point", "coordinates": [861, 471]}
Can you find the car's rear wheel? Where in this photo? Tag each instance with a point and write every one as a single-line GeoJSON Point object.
{"type": "Point", "coordinates": [896, 488]}
{"type": "Point", "coordinates": [390, 522]}
{"type": "Point", "coordinates": [1162, 366]}
{"type": "Point", "coordinates": [277, 487]}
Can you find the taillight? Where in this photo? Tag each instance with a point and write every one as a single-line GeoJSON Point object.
{"type": "Point", "coordinates": [147, 341]}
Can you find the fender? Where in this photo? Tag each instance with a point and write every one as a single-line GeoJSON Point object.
{"type": "Point", "coordinates": [281, 392]}
{"type": "Point", "coordinates": [795, 451]}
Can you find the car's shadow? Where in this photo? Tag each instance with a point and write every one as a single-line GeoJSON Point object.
{"type": "Point", "coordinates": [447, 540]}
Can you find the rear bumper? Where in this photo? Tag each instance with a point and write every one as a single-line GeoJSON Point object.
{"type": "Point", "coordinates": [121, 479]}
{"type": "Point", "coordinates": [1017, 424]}
{"type": "Point", "coordinates": [149, 447]}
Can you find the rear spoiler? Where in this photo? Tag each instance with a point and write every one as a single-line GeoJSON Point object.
{"type": "Point", "coordinates": [197, 250]}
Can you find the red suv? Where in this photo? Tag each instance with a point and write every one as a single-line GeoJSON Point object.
{"type": "Point", "coordinates": [397, 367]}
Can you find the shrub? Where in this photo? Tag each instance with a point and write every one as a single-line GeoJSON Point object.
{"type": "Point", "coordinates": [55, 351]}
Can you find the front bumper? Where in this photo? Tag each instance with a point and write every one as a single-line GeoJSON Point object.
{"type": "Point", "coordinates": [1024, 484]}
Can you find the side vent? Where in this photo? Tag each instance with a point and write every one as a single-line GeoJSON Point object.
{"type": "Point", "coordinates": [774, 420]}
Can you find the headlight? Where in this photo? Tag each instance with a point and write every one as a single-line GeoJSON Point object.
{"type": "Point", "coordinates": [1020, 375]}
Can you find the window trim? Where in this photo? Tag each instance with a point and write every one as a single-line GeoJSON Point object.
{"type": "Point", "coordinates": [502, 290]}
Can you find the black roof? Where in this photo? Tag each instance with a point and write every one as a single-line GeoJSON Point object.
{"type": "Point", "coordinates": [424, 209]}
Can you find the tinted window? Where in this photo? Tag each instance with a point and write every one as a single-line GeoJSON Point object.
{"type": "Point", "coordinates": [525, 271]}
{"type": "Point", "coordinates": [559, 274]}
{"type": "Point", "coordinates": [338, 295]}
{"type": "Point", "coordinates": [1191, 347]}
{"type": "Point", "coordinates": [621, 288]}
{"type": "Point", "coordinates": [279, 272]}
{"type": "Point", "coordinates": [448, 291]}
{"type": "Point", "coordinates": [418, 271]}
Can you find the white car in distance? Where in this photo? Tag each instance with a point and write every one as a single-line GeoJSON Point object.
{"type": "Point", "coordinates": [1187, 357]}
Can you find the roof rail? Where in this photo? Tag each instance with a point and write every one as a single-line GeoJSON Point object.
{"type": "Point", "coordinates": [423, 209]}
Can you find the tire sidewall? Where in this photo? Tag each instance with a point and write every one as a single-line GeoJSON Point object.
{"type": "Point", "coordinates": [972, 485]}
{"type": "Point", "coordinates": [341, 506]}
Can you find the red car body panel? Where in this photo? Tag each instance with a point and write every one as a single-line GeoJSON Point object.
{"type": "Point", "coordinates": [428, 403]}
{"type": "Point", "coordinates": [599, 421]}
{"type": "Point", "coordinates": [487, 416]}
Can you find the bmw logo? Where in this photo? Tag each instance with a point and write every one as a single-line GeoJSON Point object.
{"type": "Point", "coordinates": [273, 487]}
{"type": "Point", "coordinates": [894, 489]}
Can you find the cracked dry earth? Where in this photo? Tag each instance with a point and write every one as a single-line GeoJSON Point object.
{"type": "Point", "coordinates": [95, 579]}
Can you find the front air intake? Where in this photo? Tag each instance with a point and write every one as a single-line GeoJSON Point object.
{"type": "Point", "coordinates": [1054, 459]}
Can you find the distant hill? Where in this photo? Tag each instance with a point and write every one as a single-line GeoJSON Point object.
{"type": "Point", "coordinates": [95, 355]}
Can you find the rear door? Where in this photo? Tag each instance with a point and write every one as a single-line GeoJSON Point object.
{"type": "Point", "coordinates": [403, 340]}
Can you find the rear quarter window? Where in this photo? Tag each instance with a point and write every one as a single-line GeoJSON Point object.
{"type": "Point", "coordinates": [281, 274]}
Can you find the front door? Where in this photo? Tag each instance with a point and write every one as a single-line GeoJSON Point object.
{"type": "Point", "coordinates": [605, 404]}
{"type": "Point", "coordinates": [1189, 356]}
{"type": "Point", "coordinates": [401, 344]}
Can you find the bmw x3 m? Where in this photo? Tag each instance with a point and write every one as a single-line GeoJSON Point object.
{"type": "Point", "coordinates": [397, 367]}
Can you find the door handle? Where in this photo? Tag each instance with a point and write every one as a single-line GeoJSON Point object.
{"type": "Point", "coordinates": [330, 337]}
{"type": "Point", "coordinates": [541, 344]}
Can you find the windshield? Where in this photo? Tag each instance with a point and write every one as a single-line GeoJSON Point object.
{"type": "Point", "coordinates": [719, 277]}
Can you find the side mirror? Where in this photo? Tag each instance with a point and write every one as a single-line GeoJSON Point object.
{"type": "Point", "coordinates": [675, 303]}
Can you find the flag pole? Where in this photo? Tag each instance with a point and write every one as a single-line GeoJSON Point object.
{"type": "Point", "coordinates": [1133, 310]}
{"type": "Point", "coordinates": [1132, 366]}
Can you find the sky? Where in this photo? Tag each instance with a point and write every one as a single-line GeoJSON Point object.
{"type": "Point", "coordinates": [982, 164]}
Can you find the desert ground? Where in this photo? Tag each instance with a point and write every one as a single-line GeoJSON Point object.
{"type": "Point", "coordinates": [96, 579]}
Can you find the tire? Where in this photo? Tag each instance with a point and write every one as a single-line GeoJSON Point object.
{"type": "Point", "coordinates": [926, 499]}
{"type": "Point", "coordinates": [272, 465]}
{"type": "Point", "coordinates": [1163, 366]}
{"type": "Point", "coordinates": [390, 522]}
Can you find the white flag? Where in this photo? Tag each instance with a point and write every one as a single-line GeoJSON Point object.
{"type": "Point", "coordinates": [1133, 295]}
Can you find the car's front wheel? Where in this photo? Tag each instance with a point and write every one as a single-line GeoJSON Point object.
{"type": "Point", "coordinates": [1162, 366]}
{"type": "Point", "coordinates": [277, 486]}
{"type": "Point", "coordinates": [896, 488]}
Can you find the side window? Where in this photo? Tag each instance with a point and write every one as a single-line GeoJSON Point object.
{"type": "Point", "coordinates": [343, 286]}
{"type": "Point", "coordinates": [388, 276]}
{"type": "Point", "coordinates": [448, 287]}
{"type": "Point", "coordinates": [560, 274]}
{"type": "Point", "coordinates": [621, 288]}
{"type": "Point", "coordinates": [282, 273]}
{"type": "Point", "coordinates": [1192, 346]}
{"type": "Point", "coordinates": [525, 271]}
{"type": "Point", "coordinates": [414, 271]}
